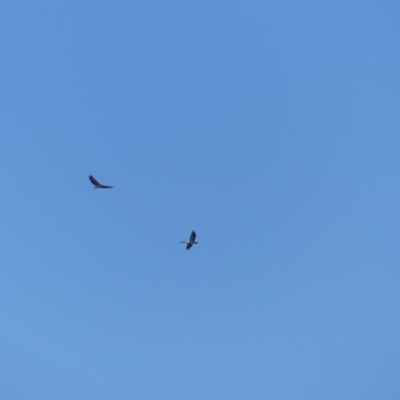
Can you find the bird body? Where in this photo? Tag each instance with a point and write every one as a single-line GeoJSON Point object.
{"type": "Point", "coordinates": [97, 184]}
{"type": "Point", "coordinates": [191, 241]}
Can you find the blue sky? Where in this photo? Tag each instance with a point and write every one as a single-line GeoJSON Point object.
{"type": "Point", "coordinates": [271, 128]}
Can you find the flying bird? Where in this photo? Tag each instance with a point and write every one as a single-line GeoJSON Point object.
{"type": "Point", "coordinates": [191, 241]}
{"type": "Point", "coordinates": [98, 185]}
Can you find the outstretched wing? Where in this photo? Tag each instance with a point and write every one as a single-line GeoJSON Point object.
{"type": "Point", "coordinates": [98, 184]}
{"type": "Point", "coordinates": [189, 245]}
{"type": "Point", "coordinates": [95, 183]}
{"type": "Point", "coordinates": [193, 236]}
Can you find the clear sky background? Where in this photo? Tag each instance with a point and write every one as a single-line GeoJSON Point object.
{"type": "Point", "coordinates": [269, 127]}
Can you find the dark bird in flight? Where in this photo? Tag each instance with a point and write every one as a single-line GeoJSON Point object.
{"type": "Point", "coordinates": [98, 185]}
{"type": "Point", "coordinates": [191, 241]}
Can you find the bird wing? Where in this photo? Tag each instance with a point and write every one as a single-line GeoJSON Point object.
{"type": "Point", "coordinates": [193, 236]}
{"type": "Point", "coordinates": [95, 183]}
{"type": "Point", "coordinates": [189, 245]}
